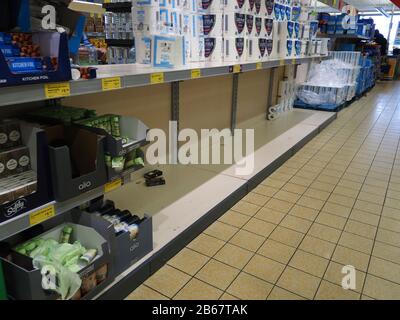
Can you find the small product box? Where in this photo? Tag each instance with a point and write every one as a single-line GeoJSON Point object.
{"type": "Point", "coordinates": [14, 161]}
{"type": "Point", "coordinates": [24, 281]}
{"type": "Point", "coordinates": [213, 49]}
{"type": "Point", "coordinates": [10, 134]}
{"type": "Point", "coordinates": [212, 24]}
{"type": "Point", "coordinates": [168, 51]}
{"type": "Point", "coordinates": [234, 49]}
{"type": "Point", "coordinates": [234, 24]}
{"type": "Point", "coordinates": [77, 161]}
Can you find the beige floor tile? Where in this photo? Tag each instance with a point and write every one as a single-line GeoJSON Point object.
{"type": "Point", "coordinates": [281, 176]}
{"type": "Point", "coordinates": [387, 252]}
{"type": "Point", "coordinates": [364, 217]}
{"type": "Point", "coordinates": [307, 174]}
{"type": "Point", "coordinates": [296, 223]}
{"type": "Point", "coordinates": [381, 289]}
{"type": "Point", "coordinates": [337, 209]}
{"type": "Point", "coordinates": [324, 232]}
{"type": "Point", "coordinates": [217, 274]}
{"type": "Point", "coordinates": [317, 194]}
{"type": "Point", "coordinates": [221, 231]}
{"type": "Point", "coordinates": [227, 297]}
{"type": "Point", "coordinates": [364, 297]}
{"type": "Point", "coordinates": [391, 213]}
{"type": "Point", "coordinates": [286, 236]}
{"type": "Point", "coordinates": [350, 184]}
{"type": "Point", "coordinates": [279, 205]}
{"type": "Point", "coordinates": [248, 287]}
{"type": "Point", "coordinates": [393, 194]}
{"type": "Point", "coordinates": [356, 242]}
{"type": "Point", "coordinates": [188, 261]}
{"type": "Point", "coordinates": [376, 183]}
{"type": "Point", "coordinates": [328, 179]}
{"type": "Point", "coordinates": [389, 237]}
{"type": "Point", "coordinates": [327, 187]}
{"type": "Point", "coordinates": [347, 256]}
{"type": "Point", "coordinates": [282, 294]}
{"type": "Point", "coordinates": [384, 269]}
{"type": "Point", "coordinates": [341, 200]}
{"type": "Point", "coordinates": [247, 240]}
{"type": "Point", "coordinates": [145, 293]}
{"type": "Point", "coordinates": [287, 196]}
{"type": "Point", "coordinates": [265, 190]}
{"type": "Point", "coordinates": [294, 188]}
{"type": "Point", "coordinates": [371, 197]}
{"type": "Point", "coordinates": [198, 290]}
{"type": "Point", "coordinates": [260, 227]}
{"type": "Point", "coordinates": [392, 203]}
{"type": "Point", "coordinates": [168, 281]}
{"type": "Point", "coordinates": [331, 220]}
{"type": "Point", "coordinates": [361, 229]}
{"type": "Point", "coordinates": [304, 212]}
{"type": "Point", "coordinates": [311, 203]}
{"type": "Point", "coordinates": [257, 199]}
{"type": "Point", "coordinates": [332, 172]}
{"type": "Point", "coordinates": [374, 190]}
{"type": "Point", "coordinates": [317, 246]}
{"type": "Point", "coordinates": [276, 251]}
{"type": "Point", "coordinates": [206, 244]}
{"type": "Point", "coordinates": [270, 215]}
{"type": "Point", "coordinates": [299, 282]}
{"type": "Point", "coordinates": [335, 274]}
{"type": "Point", "coordinates": [264, 268]}
{"type": "Point", "coordinates": [329, 291]}
{"type": "Point", "coordinates": [246, 208]}
{"type": "Point", "coordinates": [233, 256]}
{"type": "Point", "coordinates": [273, 183]}
{"type": "Point", "coordinates": [286, 170]}
{"type": "Point", "coordinates": [234, 218]}
{"type": "Point", "coordinates": [348, 192]}
{"type": "Point", "coordinates": [301, 181]}
{"type": "Point", "coordinates": [309, 263]}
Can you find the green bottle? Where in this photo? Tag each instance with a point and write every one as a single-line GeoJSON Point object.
{"type": "Point", "coordinates": [3, 294]}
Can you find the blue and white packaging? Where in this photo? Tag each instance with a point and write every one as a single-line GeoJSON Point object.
{"type": "Point", "coordinates": [234, 6]}
{"type": "Point", "coordinates": [213, 49]}
{"type": "Point", "coordinates": [250, 29]}
{"type": "Point", "coordinates": [288, 48]}
{"type": "Point", "coordinates": [167, 4]}
{"type": "Point", "coordinates": [176, 21]}
{"type": "Point", "coordinates": [197, 48]}
{"type": "Point", "coordinates": [297, 48]}
{"type": "Point", "coordinates": [234, 24]}
{"type": "Point", "coordinates": [144, 46]}
{"type": "Point", "coordinates": [197, 25]}
{"type": "Point", "coordinates": [140, 3]}
{"type": "Point", "coordinates": [168, 51]}
{"type": "Point", "coordinates": [286, 30]}
{"type": "Point", "coordinates": [189, 6]}
{"type": "Point", "coordinates": [209, 6]}
{"type": "Point", "coordinates": [212, 24]}
{"type": "Point", "coordinates": [258, 26]}
{"type": "Point", "coordinates": [146, 20]}
{"type": "Point", "coordinates": [235, 49]}
{"type": "Point", "coordinates": [296, 30]}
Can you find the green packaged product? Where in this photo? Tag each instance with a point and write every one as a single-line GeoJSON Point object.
{"type": "Point", "coordinates": [66, 233]}
{"type": "Point", "coordinates": [115, 128]}
{"type": "Point", "coordinates": [118, 163]}
{"type": "Point", "coordinates": [88, 257]}
{"type": "Point", "coordinates": [108, 161]}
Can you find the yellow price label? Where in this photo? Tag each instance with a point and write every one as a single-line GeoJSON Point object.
{"type": "Point", "coordinates": [111, 186]}
{"type": "Point", "coordinates": [282, 62]}
{"type": "Point", "coordinates": [237, 68]}
{"type": "Point", "coordinates": [111, 83]}
{"type": "Point", "coordinates": [259, 66]}
{"type": "Point", "coordinates": [294, 61]}
{"type": "Point", "coordinates": [195, 73]}
{"type": "Point", "coordinates": [42, 215]}
{"type": "Point", "coordinates": [57, 90]}
{"type": "Point", "coordinates": [156, 78]}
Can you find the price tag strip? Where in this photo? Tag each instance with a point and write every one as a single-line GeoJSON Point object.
{"type": "Point", "coordinates": [113, 185]}
{"type": "Point", "coordinates": [195, 74]}
{"type": "Point", "coordinates": [42, 215]}
{"type": "Point", "coordinates": [57, 90]}
{"type": "Point", "coordinates": [111, 83]}
{"type": "Point", "coordinates": [157, 78]}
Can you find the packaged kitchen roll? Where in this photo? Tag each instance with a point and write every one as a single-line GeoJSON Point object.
{"type": "Point", "coordinates": [143, 46]}
{"type": "Point", "coordinates": [261, 48]}
{"type": "Point", "coordinates": [213, 51]}
{"type": "Point", "coordinates": [257, 8]}
{"type": "Point", "coordinates": [197, 47]}
{"type": "Point", "coordinates": [267, 8]}
{"type": "Point", "coordinates": [268, 28]}
{"type": "Point", "coordinates": [212, 24]}
{"type": "Point", "coordinates": [250, 30]}
{"type": "Point", "coordinates": [168, 51]}
{"type": "Point", "coordinates": [234, 49]}
{"type": "Point", "coordinates": [234, 6]}
{"type": "Point", "coordinates": [140, 3]}
{"type": "Point", "coordinates": [209, 6]}
{"type": "Point", "coordinates": [258, 26]}
{"type": "Point", "coordinates": [146, 20]}
{"type": "Point", "coordinates": [272, 49]}
{"type": "Point", "coordinates": [234, 24]}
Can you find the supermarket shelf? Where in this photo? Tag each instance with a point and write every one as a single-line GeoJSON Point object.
{"type": "Point", "coordinates": [95, 34]}
{"type": "Point", "coordinates": [180, 212]}
{"type": "Point", "coordinates": [343, 36]}
{"type": "Point", "coordinates": [23, 222]}
{"type": "Point", "coordinates": [133, 75]}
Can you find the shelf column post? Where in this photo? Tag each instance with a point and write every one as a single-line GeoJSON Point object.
{"type": "Point", "coordinates": [235, 88]}
{"type": "Point", "coordinates": [175, 118]}
{"type": "Point", "coordinates": [270, 90]}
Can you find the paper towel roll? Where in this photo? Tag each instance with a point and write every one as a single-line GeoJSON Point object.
{"type": "Point", "coordinates": [168, 51]}
{"type": "Point", "coordinates": [197, 48]}
{"type": "Point", "coordinates": [234, 24]}
{"type": "Point", "coordinates": [143, 46]}
{"type": "Point", "coordinates": [146, 20]}
{"type": "Point", "coordinates": [212, 24]}
{"type": "Point", "coordinates": [209, 6]}
{"type": "Point", "coordinates": [257, 7]}
{"type": "Point", "coordinates": [250, 6]}
{"type": "Point", "coordinates": [267, 8]}
{"type": "Point", "coordinates": [250, 27]}
{"type": "Point", "coordinates": [213, 51]}
{"type": "Point", "coordinates": [272, 49]}
{"type": "Point", "coordinates": [262, 48]}
{"type": "Point", "coordinates": [268, 28]}
{"type": "Point", "coordinates": [235, 49]}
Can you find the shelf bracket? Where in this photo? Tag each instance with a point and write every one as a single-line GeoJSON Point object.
{"type": "Point", "coordinates": [235, 89]}
{"type": "Point", "coordinates": [270, 90]}
{"type": "Point", "coordinates": [175, 118]}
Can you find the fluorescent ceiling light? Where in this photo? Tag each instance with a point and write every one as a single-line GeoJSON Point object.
{"type": "Point", "coordinates": [87, 7]}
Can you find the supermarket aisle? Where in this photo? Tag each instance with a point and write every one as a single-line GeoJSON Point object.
{"type": "Point", "coordinates": [335, 203]}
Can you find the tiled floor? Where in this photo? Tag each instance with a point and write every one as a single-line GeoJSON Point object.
{"type": "Point", "coordinates": [335, 203]}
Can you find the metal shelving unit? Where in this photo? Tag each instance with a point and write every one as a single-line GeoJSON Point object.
{"type": "Point", "coordinates": [143, 77]}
